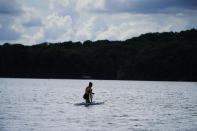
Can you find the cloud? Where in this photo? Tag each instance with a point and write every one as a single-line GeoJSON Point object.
{"type": "Point", "coordinates": [32, 39]}
{"type": "Point", "coordinates": [10, 7]}
{"type": "Point", "coordinates": [33, 22]}
{"type": "Point", "coordinates": [55, 26]}
{"type": "Point", "coordinates": [60, 3]}
{"type": "Point", "coordinates": [8, 33]}
{"type": "Point", "coordinates": [30, 22]}
{"type": "Point", "coordinates": [85, 32]}
{"type": "Point", "coordinates": [90, 5]}
{"type": "Point", "coordinates": [130, 25]}
{"type": "Point", "coordinates": [31, 17]}
{"type": "Point", "coordinates": [9, 10]}
{"type": "Point", "coordinates": [64, 8]}
{"type": "Point", "coordinates": [27, 26]}
{"type": "Point", "coordinates": [147, 6]}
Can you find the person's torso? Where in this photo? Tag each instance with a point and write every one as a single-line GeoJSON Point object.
{"type": "Point", "coordinates": [88, 90]}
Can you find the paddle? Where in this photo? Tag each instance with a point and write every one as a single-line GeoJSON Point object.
{"type": "Point", "coordinates": [91, 96]}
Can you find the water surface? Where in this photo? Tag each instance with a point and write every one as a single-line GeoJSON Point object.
{"type": "Point", "coordinates": [48, 105]}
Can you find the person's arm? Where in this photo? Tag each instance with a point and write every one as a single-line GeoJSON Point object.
{"type": "Point", "coordinates": [91, 91]}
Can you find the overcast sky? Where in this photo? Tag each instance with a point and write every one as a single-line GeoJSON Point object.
{"type": "Point", "coordinates": [36, 21]}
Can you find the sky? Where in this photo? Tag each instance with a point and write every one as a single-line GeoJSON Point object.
{"type": "Point", "coordinates": [32, 22]}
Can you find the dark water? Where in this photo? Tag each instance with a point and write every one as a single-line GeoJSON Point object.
{"type": "Point", "coordinates": [48, 105]}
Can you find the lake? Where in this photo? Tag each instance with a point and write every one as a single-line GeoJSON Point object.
{"type": "Point", "coordinates": [48, 105]}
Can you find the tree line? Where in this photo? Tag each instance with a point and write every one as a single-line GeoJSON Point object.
{"type": "Point", "coordinates": [151, 56]}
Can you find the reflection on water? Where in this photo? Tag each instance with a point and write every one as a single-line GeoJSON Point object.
{"type": "Point", "coordinates": [48, 105]}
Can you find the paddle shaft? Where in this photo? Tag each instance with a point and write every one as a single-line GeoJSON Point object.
{"type": "Point", "coordinates": [91, 96]}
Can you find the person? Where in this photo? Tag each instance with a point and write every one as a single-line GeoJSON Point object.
{"type": "Point", "coordinates": [88, 93]}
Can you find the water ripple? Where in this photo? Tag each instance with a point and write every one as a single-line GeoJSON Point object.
{"type": "Point", "coordinates": [129, 105]}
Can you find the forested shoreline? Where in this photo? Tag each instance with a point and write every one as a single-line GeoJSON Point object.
{"type": "Point", "coordinates": [153, 56]}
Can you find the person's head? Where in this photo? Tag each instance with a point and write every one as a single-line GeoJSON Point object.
{"type": "Point", "coordinates": [90, 84]}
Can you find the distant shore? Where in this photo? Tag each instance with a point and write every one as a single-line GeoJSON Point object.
{"type": "Point", "coordinates": [167, 56]}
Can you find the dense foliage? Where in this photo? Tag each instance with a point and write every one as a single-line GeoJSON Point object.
{"type": "Point", "coordinates": [152, 56]}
